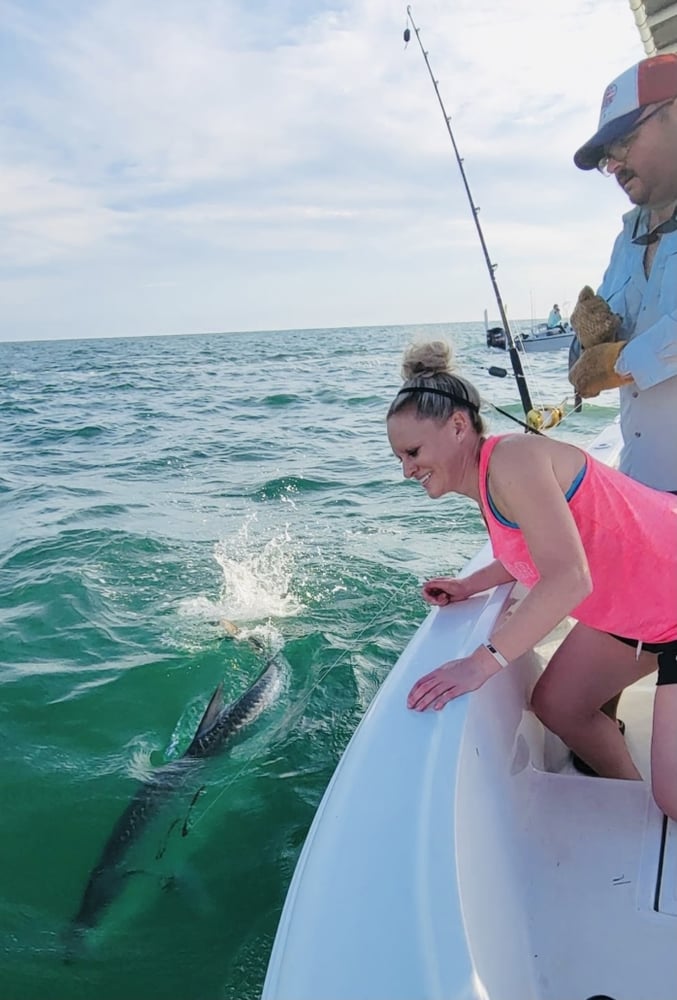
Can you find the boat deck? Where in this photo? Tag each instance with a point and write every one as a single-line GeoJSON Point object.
{"type": "Point", "coordinates": [596, 852]}
{"type": "Point", "coordinates": [600, 877]}
{"type": "Point", "coordinates": [458, 855]}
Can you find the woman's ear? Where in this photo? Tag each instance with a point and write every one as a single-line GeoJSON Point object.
{"type": "Point", "coordinates": [459, 423]}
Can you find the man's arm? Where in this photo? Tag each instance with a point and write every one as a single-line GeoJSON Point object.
{"type": "Point", "coordinates": [651, 357]}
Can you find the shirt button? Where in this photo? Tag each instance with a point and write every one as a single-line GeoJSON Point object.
{"type": "Point", "coordinates": [635, 395]}
{"type": "Point", "coordinates": [638, 434]}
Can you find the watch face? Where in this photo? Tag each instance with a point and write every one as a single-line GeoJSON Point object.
{"type": "Point", "coordinates": [499, 657]}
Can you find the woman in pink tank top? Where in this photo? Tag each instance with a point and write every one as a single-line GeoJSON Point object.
{"type": "Point", "coordinates": [585, 540]}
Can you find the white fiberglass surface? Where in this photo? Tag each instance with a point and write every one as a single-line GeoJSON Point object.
{"type": "Point", "coordinates": [457, 855]}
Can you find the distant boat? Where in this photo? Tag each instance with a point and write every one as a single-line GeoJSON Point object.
{"type": "Point", "coordinates": [540, 337]}
{"type": "Point", "coordinates": [545, 338]}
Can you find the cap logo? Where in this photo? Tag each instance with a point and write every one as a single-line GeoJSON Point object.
{"type": "Point", "coordinates": [609, 95]}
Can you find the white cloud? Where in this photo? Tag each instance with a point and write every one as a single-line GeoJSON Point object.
{"type": "Point", "coordinates": [289, 166]}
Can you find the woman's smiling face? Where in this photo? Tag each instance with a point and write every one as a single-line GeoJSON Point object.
{"type": "Point", "coordinates": [427, 449]}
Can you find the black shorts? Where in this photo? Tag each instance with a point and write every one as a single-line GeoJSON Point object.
{"type": "Point", "coordinates": [647, 647]}
{"type": "Point", "coordinates": [667, 656]}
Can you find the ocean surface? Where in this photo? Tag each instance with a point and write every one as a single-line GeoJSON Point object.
{"type": "Point", "coordinates": [151, 488]}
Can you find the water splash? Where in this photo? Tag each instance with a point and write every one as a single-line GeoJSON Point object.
{"type": "Point", "coordinates": [257, 579]}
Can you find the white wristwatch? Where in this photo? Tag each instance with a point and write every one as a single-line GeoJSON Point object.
{"type": "Point", "coordinates": [499, 657]}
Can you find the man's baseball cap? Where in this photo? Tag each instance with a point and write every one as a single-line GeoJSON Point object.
{"type": "Point", "coordinates": [649, 82]}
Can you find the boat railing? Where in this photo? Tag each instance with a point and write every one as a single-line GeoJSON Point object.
{"type": "Point", "coordinates": [397, 782]}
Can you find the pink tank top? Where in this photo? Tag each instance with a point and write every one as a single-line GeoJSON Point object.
{"type": "Point", "coordinates": [629, 535]}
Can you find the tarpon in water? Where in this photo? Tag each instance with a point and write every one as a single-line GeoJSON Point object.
{"type": "Point", "coordinates": [218, 726]}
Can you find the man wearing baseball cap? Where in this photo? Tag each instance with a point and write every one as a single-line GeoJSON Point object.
{"type": "Point", "coordinates": [636, 143]}
{"type": "Point", "coordinates": [628, 330]}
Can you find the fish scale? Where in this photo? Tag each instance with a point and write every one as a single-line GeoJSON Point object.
{"type": "Point", "coordinates": [217, 727]}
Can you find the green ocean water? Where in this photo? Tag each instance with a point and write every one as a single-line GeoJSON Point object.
{"type": "Point", "coordinates": [151, 487]}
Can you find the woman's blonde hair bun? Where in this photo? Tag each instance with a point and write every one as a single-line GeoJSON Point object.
{"type": "Point", "coordinates": [425, 360]}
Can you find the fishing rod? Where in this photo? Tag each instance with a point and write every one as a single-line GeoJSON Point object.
{"type": "Point", "coordinates": [534, 418]}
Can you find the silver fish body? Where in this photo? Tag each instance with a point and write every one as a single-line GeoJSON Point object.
{"type": "Point", "coordinates": [218, 726]}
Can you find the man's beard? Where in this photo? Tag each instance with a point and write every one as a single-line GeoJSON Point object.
{"type": "Point", "coordinates": [622, 177]}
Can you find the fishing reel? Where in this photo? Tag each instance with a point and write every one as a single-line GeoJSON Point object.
{"type": "Point", "coordinates": [544, 418]}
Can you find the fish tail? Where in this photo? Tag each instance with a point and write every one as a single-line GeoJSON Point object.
{"type": "Point", "coordinates": [230, 628]}
{"type": "Point", "coordinates": [234, 631]}
{"type": "Point", "coordinates": [73, 943]}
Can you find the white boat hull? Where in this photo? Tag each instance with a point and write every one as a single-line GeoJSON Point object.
{"type": "Point", "coordinates": [455, 855]}
{"type": "Point", "coordinates": [542, 339]}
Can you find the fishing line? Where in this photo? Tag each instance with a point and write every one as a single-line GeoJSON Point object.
{"type": "Point", "coordinates": [522, 423]}
{"type": "Point", "coordinates": [303, 700]}
{"type": "Point", "coordinates": [535, 418]}
{"type": "Point", "coordinates": [543, 408]}
{"type": "Point", "coordinates": [565, 409]}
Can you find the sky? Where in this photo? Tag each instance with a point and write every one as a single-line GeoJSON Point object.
{"type": "Point", "coordinates": [193, 166]}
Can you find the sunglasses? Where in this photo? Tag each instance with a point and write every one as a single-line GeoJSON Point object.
{"type": "Point", "coordinates": [619, 149]}
{"type": "Point", "coordinates": [646, 239]}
